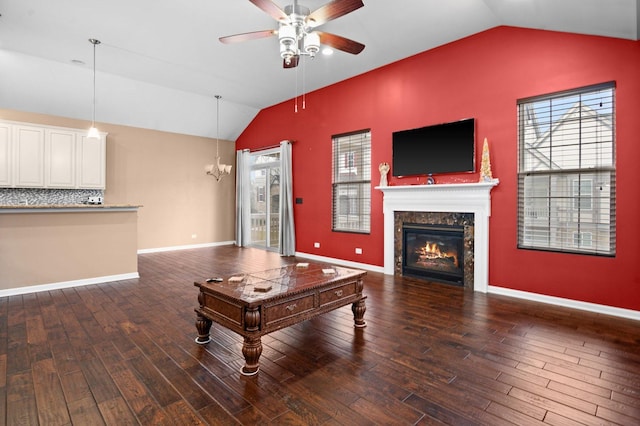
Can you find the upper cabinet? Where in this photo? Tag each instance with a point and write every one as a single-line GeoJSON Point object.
{"type": "Point", "coordinates": [60, 158]}
{"type": "Point", "coordinates": [6, 162]}
{"type": "Point", "coordinates": [35, 156]}
{"type": "Point", "coordinates": [28, 152]}
{"type": "Point", "coordinates": [91, 162]}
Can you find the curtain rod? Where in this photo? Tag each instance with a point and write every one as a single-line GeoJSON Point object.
{"type": "Point", "coordinates": [264, 148]}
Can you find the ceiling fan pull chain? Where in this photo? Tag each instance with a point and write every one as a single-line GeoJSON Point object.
{"type": "Point", "coordinates": [304, 93]}
{"type": "Point", "coordinates": [296, 89]}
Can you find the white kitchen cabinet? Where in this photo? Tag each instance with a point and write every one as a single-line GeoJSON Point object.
{"type": "Point", "coordinates": [60, 158]}
{"type": "Point", "coordinates": [28, 152]}
{"type": "Point", "coordinates": [40, 156]}
{"type": "Point", "coordinates": [91, 161]}
{"type": "Point", "coordinates": [6, 163]}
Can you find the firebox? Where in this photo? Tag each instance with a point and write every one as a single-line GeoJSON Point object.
{"type": "Point", "coordinates": [433, 252]}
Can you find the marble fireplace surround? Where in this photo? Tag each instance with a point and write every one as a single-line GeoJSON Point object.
{"type": "Point", "coordinates": [472, 198]}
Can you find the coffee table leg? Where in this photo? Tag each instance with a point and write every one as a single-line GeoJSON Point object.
{"type": "Point", "coordinates": [251, 349]}
{"type": "Point", "coordinates": [203, 324]}
{"type": "Point", "coordinates": [358, 309]}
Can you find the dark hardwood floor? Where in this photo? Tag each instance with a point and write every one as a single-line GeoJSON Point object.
{"type": "Point", "coordinates": [124, 353]}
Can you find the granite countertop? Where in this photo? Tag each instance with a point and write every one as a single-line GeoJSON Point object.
{"type": "Point", "coordinates": [65, 207]}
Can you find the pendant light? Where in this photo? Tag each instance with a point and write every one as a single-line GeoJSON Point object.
{"type": "Point", "coordinates": [218, 170]}
{"type": "Point", "coordinates": [93, 132]}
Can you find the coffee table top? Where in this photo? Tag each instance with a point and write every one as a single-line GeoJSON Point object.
{"type": "Point", "coordinates": [285, 280]}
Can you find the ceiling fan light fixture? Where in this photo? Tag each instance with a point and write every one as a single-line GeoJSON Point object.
{"type": "Point", "coordinates": [286, 53]}
{"type": "Point", "coordinates": [287, 35]}
{"type": "Point", "coordinates": [312, 43]}
{"type": "Point", "coordinates": [288, 38]}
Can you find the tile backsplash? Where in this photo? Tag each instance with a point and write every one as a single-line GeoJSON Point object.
{"type": "Point", "coordinates": [39, 196]}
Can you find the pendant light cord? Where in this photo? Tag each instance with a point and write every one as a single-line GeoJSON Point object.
{"type": "Point", "coordinates": [95, 42]}
{"type": "Point", "coordinates": [217, 124]}
{"type": "Point", "coordinates": [93, 117]}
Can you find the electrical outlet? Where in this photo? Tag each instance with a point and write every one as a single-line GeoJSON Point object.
{"type": "Point", "coordinates": [316, 245]}
{"type": "Point", "coordinates": [358, 250]}
{"type": "Point", "coordinates": [194, 236]}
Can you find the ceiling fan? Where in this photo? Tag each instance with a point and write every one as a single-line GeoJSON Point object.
{"type": "Point", "coordinates": [296, 31]}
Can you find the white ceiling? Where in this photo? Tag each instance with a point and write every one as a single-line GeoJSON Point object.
{"type": "Point", "coordinates": [173, 44]}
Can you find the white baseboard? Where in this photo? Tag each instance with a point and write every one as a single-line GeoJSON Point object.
{"type": "Point", "coordinates": [341, 262]}
{"type": "Point", "coordinates": [187, 247]}
{"type": "Point", "coordinates": [567, 303]}
{"type": "Point", "coordinates": [534, 297]}
{"type": "Point", "coordinates": [67, 284]}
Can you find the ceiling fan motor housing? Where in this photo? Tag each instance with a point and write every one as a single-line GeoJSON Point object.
{"type": "Point", "coordinates": [297, 11]}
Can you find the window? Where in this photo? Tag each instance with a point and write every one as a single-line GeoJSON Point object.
{"type": "Point", "coordinates": [566, 171]}
{"type": "Point", "coordinates": [582, 194]}
{"type": "Point", "coordinates": [352, 182]}
{"type": "Point", "coordinates": [582, 239]}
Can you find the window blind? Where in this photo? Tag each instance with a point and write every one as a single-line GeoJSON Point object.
{"type": "Point", "coordinates": [566, 171]}
{"type": "Point", "coordinates": [351, 182]}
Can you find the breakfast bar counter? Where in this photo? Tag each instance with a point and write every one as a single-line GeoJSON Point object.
{"type": "Point", "coordinates": [55, 246]}
{"type": "Point", "coordinates": [58, 208]}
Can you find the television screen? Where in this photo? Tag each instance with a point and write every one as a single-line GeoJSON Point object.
{"type": "Point", "coordinates": [441, 148]}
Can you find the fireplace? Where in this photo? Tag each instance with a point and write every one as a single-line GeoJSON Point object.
{"type": "Point", "coordinates": [468, 198]}
{"type": "Point", "coordinates": [433, 252]}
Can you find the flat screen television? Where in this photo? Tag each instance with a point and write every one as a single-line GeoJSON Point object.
{"type": "Point", "coordinates": [441, 148]}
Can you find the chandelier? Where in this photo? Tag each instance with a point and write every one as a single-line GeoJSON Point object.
{"type": "Point", "coordinates": [218, 170]}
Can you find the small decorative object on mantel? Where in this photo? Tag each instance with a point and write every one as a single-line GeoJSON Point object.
{"type": "Point", "coordinates": [485, 169]}
{"type": "Point", "coordinates": [384, 170]}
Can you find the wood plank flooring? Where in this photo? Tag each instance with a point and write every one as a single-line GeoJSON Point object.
{"type": "Point", "coordinates": [123, 353]}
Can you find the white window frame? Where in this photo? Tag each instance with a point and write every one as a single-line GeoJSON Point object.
{"type": "Point", "coordinates": [351, 182]}
{"type": "Point", "coordinates": [566, 171]}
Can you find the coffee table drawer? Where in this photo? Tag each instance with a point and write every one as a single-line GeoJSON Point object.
{"type": "Point", "coordinates": [290, 308]}
{"type": "Point", "coordinates": [226, 310]}
{"type": "Point", "coordinates": [337, 293]}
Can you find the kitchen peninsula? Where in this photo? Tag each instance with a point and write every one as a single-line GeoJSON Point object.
{"type": "Point", "coordinates": [55, 246]}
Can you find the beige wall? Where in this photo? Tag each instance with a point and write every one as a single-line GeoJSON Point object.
{"type": "Point", "coordinates": [163, 172]}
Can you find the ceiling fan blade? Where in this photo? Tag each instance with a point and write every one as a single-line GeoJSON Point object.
{"type": "Point", "coordinates": [332, 10]}
{"type": "Point", "coordinates": [340, 43]}
{"type": "Point", "coordinates": [293, 63]}
{"type": "Point", "coordinates": [271, 9]}
{"type": "Point", "coordinates": [237, 38]}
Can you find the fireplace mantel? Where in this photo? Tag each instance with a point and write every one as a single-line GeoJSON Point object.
{"type": "Point", "coordinates": [461, 197]}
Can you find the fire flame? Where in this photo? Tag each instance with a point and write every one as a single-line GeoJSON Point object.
{"type": "Point", "coordinates": [432, 251]}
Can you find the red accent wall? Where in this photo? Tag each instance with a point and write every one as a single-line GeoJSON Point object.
{"type": "Point", "coordinates": [481, 76]}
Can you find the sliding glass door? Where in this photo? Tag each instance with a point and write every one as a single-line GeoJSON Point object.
{"type": "Point", "coordinates": [264, 177]}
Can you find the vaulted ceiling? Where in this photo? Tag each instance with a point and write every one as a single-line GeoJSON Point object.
{"type": "Point", "coordinates": [172, 46]}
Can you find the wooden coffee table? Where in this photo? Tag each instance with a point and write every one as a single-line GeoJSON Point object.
{"type": "Point", "coordinates": [257, 303]}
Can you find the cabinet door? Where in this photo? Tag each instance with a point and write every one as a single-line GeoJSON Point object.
{"type": "Point", "coordinates": [28, 145]}
{"type": "Point", "coordinates": [91, 161]}
{"type": "Point", "coordinates": [6, 176]}
{"type": "Point", "coordinates": [60, 158]}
